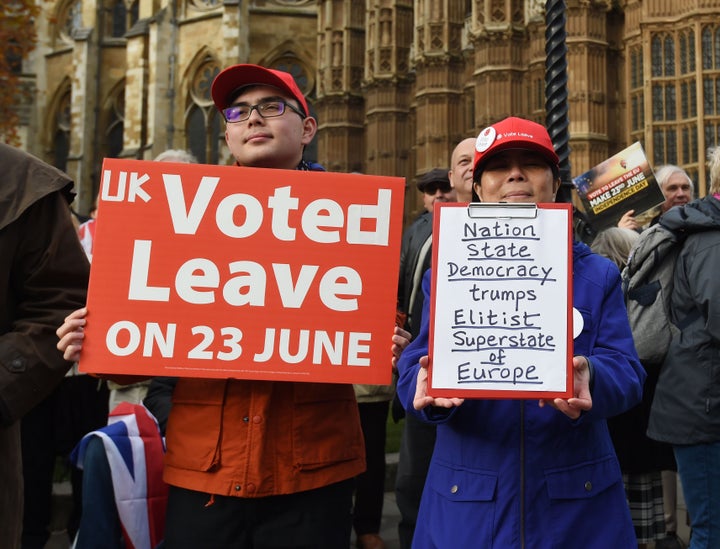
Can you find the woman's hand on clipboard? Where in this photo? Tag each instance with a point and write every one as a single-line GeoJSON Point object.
{"type": "Point", "coordinates": [581, 401]}
{"type": "Point", "coordinates": [422, 399]}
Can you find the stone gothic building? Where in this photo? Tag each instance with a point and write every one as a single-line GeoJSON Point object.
{"type": "Point", "coordinates": [394, 84]}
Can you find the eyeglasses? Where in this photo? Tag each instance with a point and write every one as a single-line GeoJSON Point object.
{"type": "Point", "coordinates": [266, 109]}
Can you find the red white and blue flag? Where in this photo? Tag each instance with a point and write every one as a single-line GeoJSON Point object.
{"type": "Point", "coordinates": [135, 450]}
{"type": "Point", "coordinates": [86, 233]}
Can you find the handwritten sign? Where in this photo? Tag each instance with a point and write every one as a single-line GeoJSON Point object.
{"type": "Point", "coordinates": [501, 309]}
{"type": "Point", "coordinates": [229, 272]}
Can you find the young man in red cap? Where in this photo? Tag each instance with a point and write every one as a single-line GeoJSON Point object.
{"type": "Point", "coordinates": [512, 473]}
{"type": "Point", "coordinates": [255, 464]}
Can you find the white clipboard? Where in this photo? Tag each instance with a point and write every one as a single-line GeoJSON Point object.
{"type": "Point", "coordinates": [501, 301]}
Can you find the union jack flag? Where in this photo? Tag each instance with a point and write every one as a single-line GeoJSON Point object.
{"type": "Point", "coordinates": [135, 450]}
{"type": "Point", "coordinates": [86, 233]}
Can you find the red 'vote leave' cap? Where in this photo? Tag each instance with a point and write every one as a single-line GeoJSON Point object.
{"type": "Point", "coordinates": [513, 133]}
{"type": "Point", "coordinates": [229, 82]}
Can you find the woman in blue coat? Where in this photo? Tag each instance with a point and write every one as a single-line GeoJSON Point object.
{"type": "Point", "coordinates": [523, 473]}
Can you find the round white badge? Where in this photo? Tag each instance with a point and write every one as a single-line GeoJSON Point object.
{"type": "Point", "coordinates": [578, 323]}
{"type": "Point", "coordinates": [485, 139]}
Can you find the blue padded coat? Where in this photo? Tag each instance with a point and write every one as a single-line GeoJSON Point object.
{"type": "Point", "coordinates": [509, 474]}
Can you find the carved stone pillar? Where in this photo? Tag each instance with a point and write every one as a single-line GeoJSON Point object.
{"type": "Point", "coordinates": [136, 88]}
{"type": "Point", "coordinates": [592, 84]}
{"type": "Point", "coordinates": [500, 37]}
{"type": "Point", "coordinates": [440, 74]}
{"type": "Point", "coordinates": [83, 106]}
{"type": "Point", "coordinates": [388, 87]}
{"type": "Point", "coordinates": [340, 104]}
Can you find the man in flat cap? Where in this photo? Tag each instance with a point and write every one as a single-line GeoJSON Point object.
{"type": "Point", "coordinates": [435, 186]}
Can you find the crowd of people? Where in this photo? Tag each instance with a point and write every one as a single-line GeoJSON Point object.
{"type": "Point", "coordinates": [265, 464]}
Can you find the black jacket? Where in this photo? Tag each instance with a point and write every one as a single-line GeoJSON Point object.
{"type": "Point", "coordinates": [415, 255]}
{"type": "Point", "coordinates": [159, 399]}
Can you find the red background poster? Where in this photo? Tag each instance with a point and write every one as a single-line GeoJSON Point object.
{"type": "Point", "coordinates": [221, 271]}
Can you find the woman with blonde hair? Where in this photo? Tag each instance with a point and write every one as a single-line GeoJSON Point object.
{"type": "Point", "coordinates": [615, 243]}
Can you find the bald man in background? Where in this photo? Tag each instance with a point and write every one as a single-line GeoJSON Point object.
{"type": "Point", "coordinates": [461, 164]}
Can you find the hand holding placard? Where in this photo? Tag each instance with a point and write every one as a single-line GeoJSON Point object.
{"type": "Point", "coordinates": [423, 399]}
{"type": "Point", "coordinates": [581, 401]}
{"type": "Point", "coordinates": [218, 271]}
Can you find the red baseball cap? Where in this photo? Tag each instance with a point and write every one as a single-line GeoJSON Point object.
{"type": "Point", "coordinates": [230, 81]}
{"type": "Point", "coordinates": [513, 133]}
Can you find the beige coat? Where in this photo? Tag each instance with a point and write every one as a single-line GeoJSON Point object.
{"type": "Point", "coordinates": [374, 393]}
{"type": "Point", "coordinates": [43, 277]}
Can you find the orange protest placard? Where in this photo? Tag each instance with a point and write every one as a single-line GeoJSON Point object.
{"type": "Point", "coordinates": [229, 272]}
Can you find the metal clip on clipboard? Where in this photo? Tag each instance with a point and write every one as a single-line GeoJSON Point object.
{"type": "Point", "coordinates": [500, 210]}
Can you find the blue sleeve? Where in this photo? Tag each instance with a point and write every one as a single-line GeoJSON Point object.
{"type": "Point", "coordinates": [409, 364]}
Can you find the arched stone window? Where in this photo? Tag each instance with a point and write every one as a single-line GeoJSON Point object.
{"type": "Point", "coordinates": [663, 55]}
{"type": "Point", "coordinates": [711, 47]}
{"type": "Point", "coordinates": [663, 91]}
{"type": "Point", "coordinates": [61, 135]}
{"type": "Point", "coordinates": [68, 21]}
{"type": "Point", "coordinates": [711, 75]}
{"type": "Point", "coordinates": [118, 19]}
{"type": "Point", "coordinates": [206, 4]}
{"type": "Point", "coordinates": [637, 95]}
{"type": "Point", "coordinates": [120, 16]}
{"type": "Point", "coordinates": [114, 132]}
{"type": "Point", "coordinates": [203, 123]}
{"type": "Point", "coordinates": [687, 51]}
{"type": "Point", "coordinates": [710, 55]}
{"type": "Point", "coordinates": [305, 80]}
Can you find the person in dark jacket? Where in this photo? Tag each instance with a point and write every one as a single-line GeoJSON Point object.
{"type": "Point", "coordinates": [518, 473]}
{"type": "Point", "coordinates": [418, 438]}
{"type": "Point", "coordinates": [415, 247]}
{"type": "Point", "coordinates": [44, 275]}
{"type": "Point", "coordinates": [638, 454]}
{"type": "Point", "coordinates": [686, 409]}
{"type": "Point", "coordinates": [159, 399]}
